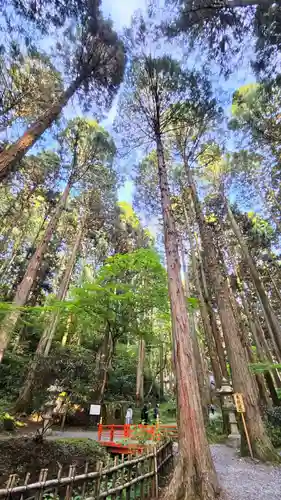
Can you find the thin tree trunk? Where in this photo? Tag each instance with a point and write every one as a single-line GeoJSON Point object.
{"type": "Point", "coordinates": [216, 368]}
{"type": "Point", "coordinates": [26, 283]}
{"type": "Point", "coordinates": [277, 291]}
{"type": "Point", "coordinates": [45, 342]}
{"type": "Point", "coordinates": [194, 476]}
{"type": "Point", "coordinates": [102, 366]}
{"type": "Point", "coordinates": [140, 373]}
{"type": "Point", "coordinates": [66, 332]}
{"type": "Point", "coordinates": [213, 320]}
{"type": "Point", "coordinates": [269, 313]}
{"type": "Point", "coordinates": [51, 328]}
{"type": "Point", "coordinates": [260, 351]}
{"type": "Point", "coordinates": [161, 374]}
{"type": "Point", "coordinates": [198, 359]}
{"type": "Point", "coordinates": [11, 156]}
{"type": "Point", "coordinates": [243, 381]}
{"type": "Point", "coordinates": [266, 349]}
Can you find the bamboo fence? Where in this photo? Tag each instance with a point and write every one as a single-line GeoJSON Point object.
{"type": "Point", "coordinates": [126, 479]}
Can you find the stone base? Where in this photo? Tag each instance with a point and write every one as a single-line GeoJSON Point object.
{"type": "Point", "coordinates": [234, 441]}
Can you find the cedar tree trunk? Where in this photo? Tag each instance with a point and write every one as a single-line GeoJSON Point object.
{"type": "Point", "coordinates": [26, 283]}
{"type": "Point", "coordinates": [11, 156]}
{"type": "Point", "coordinates": [243, 381]}
{"type": "Point", "coordinates": [194, 476]}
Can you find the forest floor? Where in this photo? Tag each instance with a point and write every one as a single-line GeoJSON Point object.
{"type": "Point", "coordinates": [242, 479]}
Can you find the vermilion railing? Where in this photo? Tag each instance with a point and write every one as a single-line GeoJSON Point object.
{"type": "Point", "coordinates": [112, 432]}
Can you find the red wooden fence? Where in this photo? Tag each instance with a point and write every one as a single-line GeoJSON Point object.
{"type": "Point", "coordinates": [115, 433]}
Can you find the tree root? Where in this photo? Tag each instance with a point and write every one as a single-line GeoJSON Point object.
{"type": "Point", "coordinates": [187, 485]}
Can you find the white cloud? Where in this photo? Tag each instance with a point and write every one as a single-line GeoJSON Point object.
{"type": "Point", "coordinates": [121, 11]}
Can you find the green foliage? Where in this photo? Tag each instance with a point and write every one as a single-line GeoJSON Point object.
{"type": "Point", "coordinates": [9, 423]}
{"type": "Point", "coordinates": [274, 434]}
{"type": "Point", "coordinates": [127, 287]}
{"type": "Point", "coordinates": [264, 367]}
{"type": "Point", "coordinates": [215, 431]}
{"type": "Point", "coordinates": [24, 455]}
{"type": "Point", "coordinates": [13, 370]}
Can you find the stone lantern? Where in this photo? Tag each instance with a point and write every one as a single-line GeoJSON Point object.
{"type": "Point", "coordinates": [226, 391]}
{"type": "Point", "coordinates": [49, 407]}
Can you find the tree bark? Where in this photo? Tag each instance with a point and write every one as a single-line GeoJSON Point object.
{"type": "Point", "coordinates": [197, 354]}
{"type": "Point", "coordinates": [161, 374]}
{"type": "Point", "coordinates": [10, 157]}
{"type": "Point", "coordinates": [194, 476]}
{"type": "Point", "coordinates": [213, 320]}
{"type": "Point", "coordinates": [103, 363]}
{"type": "Point", "coordinates": [264, 344]}
{"type": "Point", "coordinates": [140, 373]}
{"type": "Point", "coordinates": [269, 313]}
{"type": "Point", "coordinates": [204, 312]}
{"type": "Point", "coordinates": [243, 381]}
{"type": "Point", "coordinates": [260, 352]}
{"type": "Point", "coordinates": [51, 328]}
{"type": "Point", "coordinates": [45, 342]}
{"type": "Point", "coordinates": [26, 283]}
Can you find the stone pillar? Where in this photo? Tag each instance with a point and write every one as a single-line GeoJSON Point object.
{"type": "Point", "coordinates": [234, 438]}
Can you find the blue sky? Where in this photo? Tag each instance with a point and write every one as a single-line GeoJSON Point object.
{"type": "Point", "coordinates": [121, 11]}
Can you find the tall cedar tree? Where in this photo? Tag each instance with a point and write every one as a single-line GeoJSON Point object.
{"type": "Point", "coordinates": [86, 147]}
{"type": "Point", "coordinates": [97, 65]}
{"type": "Point", "coordinates": [243, 380]}
{"type": "Point", "coordinates": [152, 86]}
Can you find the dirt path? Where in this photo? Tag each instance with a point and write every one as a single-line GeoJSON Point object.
{"type": "Point", "coordinates": [242, 479]}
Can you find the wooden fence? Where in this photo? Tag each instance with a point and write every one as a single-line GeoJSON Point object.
{"type": "Point", "coordinates": [134, 478]}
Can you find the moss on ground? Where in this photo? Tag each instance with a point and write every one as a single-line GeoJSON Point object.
{"type": "Point", "coordinates": [21, 455]}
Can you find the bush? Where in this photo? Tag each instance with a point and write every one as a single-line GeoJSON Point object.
{"type": "Point", "coordinates": [23, 454]}
{"type": "Point", "coordinates": [214, 430]}
{"type": "Point", "coordinates": [13, 370]}
{"type": "Point", "coordinates": [273, 425]}
{"type": "Point", "coordinates": [274, 416]}
{"type": "Point", "coordinates": [274, 434]}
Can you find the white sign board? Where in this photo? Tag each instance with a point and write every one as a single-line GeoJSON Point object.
{"type": "Point", "coordinates": [95, 409]}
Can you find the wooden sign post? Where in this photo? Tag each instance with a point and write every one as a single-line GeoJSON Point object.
{"type": "Point", "coordinates": [240, 408]}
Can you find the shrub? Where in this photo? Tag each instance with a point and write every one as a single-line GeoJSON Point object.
{"type": "Point", "coordinates": [9, 423]}
{"type": "Point", "coordinates": [274, 433]}
{"type": "Point", "coordinates": [274, 416]}
{"type": "Point", "coordinates": [215, 431]}
{"type": "Point", "coordinates": [23, 454]}
{"type": "Point", "coordinates": [13, 370]}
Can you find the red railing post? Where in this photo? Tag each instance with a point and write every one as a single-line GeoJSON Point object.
{"type": "Point", "coordinates": [99, 432]}
{"type": "Point", "coordinates": [111, 433]}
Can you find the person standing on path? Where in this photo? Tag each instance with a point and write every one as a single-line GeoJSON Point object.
{"type": "Point", "coordinates": [144, 415]}
{"type": "Point", "coordinates": [129, 416]}
{"type": "Point", "coordinates": [156, 413]}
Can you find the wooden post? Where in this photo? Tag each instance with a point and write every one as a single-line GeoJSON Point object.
{"type": "Point", "coordinates": [98, 481]}
{"type": "Point", "coordinates": [85, 482]}
{"type": "Point", "coordinates": [142, 489]}
{"type": "Point", "coordinates": [247, 436]}
{"type": "Point", "coordinates": [25, 483]}
{"type": "Point", "coordinates": [42, 478]}
{"type": "Point", "coordinates": [71, 474]}
{"type": "Point", "coordinates": [64, 417]}
{"type": "Point", "coordinates": [59, 474]}
{"type": "Point", "coordinates": [128, 490]}
{"type": "Point", "coordinates": [122, 470]}
{"type": "Point", "coordinates": [99, 431]}
{"type": "Point", "coordinates": [114, 478]}
{"type": "Point", "coordinates": [155, 470]}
